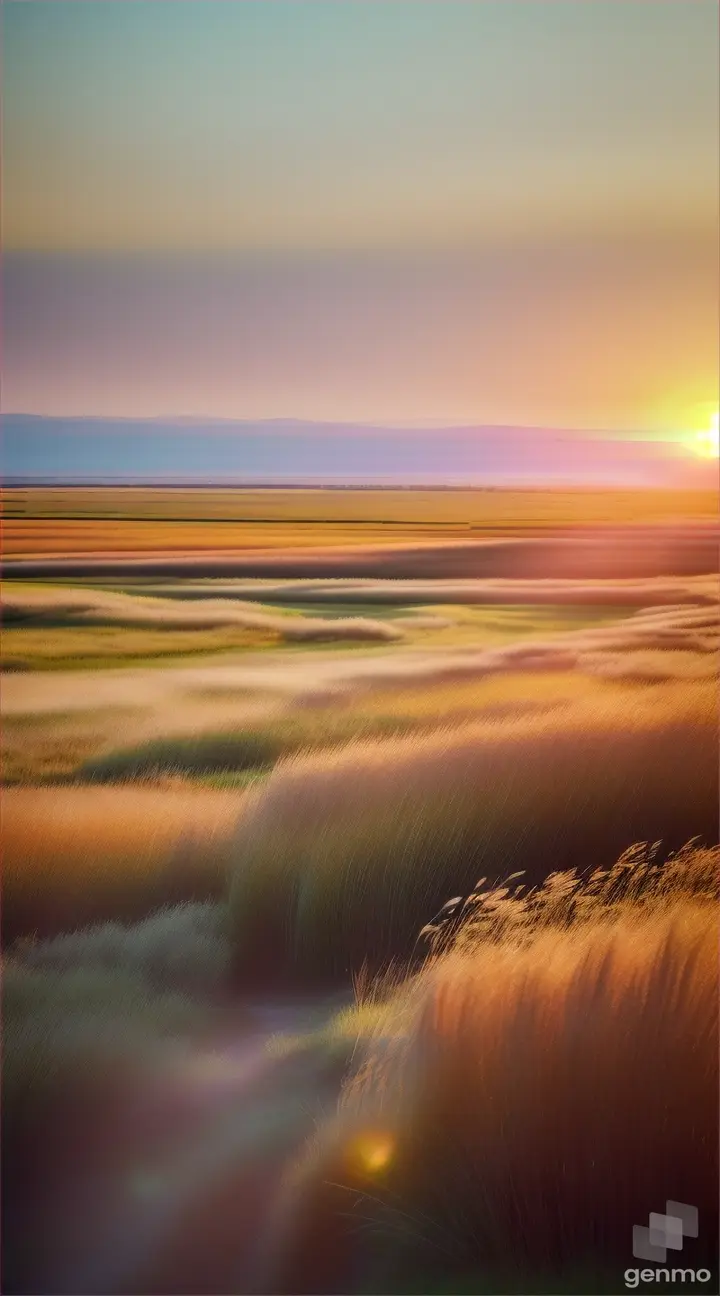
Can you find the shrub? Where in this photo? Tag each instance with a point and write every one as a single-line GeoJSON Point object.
{"type": "Point", "coordinates": [55, 1020]}
{"type": "Point", "coordinates": [183, 948]}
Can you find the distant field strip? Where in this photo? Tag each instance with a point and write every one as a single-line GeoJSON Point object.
{"type": "Point", "coordinates": [607, 593]}
{"type": "Point", "coordinates": [46, 625]}
{"type": "Point", "coordinates": [320, 507]}
{"type": "Point", "coordinates": [620, 553]}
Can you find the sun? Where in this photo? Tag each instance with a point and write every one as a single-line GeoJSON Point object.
{"type": "Point", "coordinates": [707, 441]}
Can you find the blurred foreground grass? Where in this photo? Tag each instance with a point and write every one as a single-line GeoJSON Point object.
{"type": "Point", "coordinates": [72, 856]}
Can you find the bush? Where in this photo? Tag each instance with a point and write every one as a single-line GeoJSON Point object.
{"type": "Point", "coordinates": [183, 948]}
{"type": "Point", "coordinates": [56, 1021]}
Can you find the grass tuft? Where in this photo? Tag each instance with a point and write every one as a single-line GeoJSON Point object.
{"type": "Point", "coordinates": [519, 1106]}
{"type": "Point", "coordinates": [343, 857]}
{"type": "Point", "coordinates": [256, 749]}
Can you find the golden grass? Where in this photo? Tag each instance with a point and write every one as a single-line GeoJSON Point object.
{"type": "Point", "coordinates": [130, 538]}
{"type": "Point", "coordinates": [489, 662]}
{"type": "Point", "coordinates": [518, 1107]}
{"type": "Point", "coordinates": [50, 625]}
{"type": "Point", "coordinates": [76, 855]}
{"type": "Point", "coordinates": [491, 508]}
{"type": "Point", "coordinates": [496, 695]}
{"type": "Point", "coordinates": [92, 647]}
{"type": "Point", "coordinates": [341, 856]}
{"type": "Point", "coordinates": [37, 747]}
{"type": "Point", "coordinates": [102, 522]}
{"type": "Point", "coordinates": [524, 691]}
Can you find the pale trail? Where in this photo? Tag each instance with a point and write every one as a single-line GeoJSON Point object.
{"type": "Point", "coordinates": [184, 1207]}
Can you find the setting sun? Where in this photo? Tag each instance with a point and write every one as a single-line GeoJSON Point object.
{"type": "Point", "coordinates": [708, 440]}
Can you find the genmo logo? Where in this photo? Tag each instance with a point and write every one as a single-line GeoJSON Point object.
{"type": "Point", "coordinates": [633, 1277]}
{"type": "Point", "coordinates": [663, 1233]}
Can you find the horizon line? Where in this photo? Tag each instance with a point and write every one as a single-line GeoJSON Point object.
{"type": "Point", "coordinates": [192, 420]}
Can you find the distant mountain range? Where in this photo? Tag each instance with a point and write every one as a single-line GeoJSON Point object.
{"type": "Point", "coordinates": [288, 451]}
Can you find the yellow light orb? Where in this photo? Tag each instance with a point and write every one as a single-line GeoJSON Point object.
{"type": "Point", "coordinates": [373, 1151]}
{"type": "Point", "coordinates": [708, 440]}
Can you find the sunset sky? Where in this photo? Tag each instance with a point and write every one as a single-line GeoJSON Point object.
{"type": "Point", "coordinates": [363, 210]}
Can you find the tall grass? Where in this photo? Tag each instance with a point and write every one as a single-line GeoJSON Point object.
{"type": "Point", "coordinates": [73, 856]}
{"type": "Point", "coordinates": [256, 748]}
{"type": "Point", "coordinates": [341, 858]}
{"type": "Point", "coordinates": [519, 1106]}
{"type": "Point", "coordinates": [180, 949]}
{"type": "Point", "coordinates": [516, 910]}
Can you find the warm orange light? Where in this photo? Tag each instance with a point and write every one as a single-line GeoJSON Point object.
{"type": "Point", "coordinates": [373, 1151]}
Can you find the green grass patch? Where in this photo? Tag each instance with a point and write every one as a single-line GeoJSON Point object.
{"type": "Point", "coordinates": [95, 647]}
{"type": "Point", "coordinates": [57, 1024]}
{"type": "Point", "coordinates": [226, 756]}
{"type": "Point", "coordinates": [47, 747]}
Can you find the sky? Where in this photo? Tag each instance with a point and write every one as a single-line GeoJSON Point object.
{"type": "Point", "coordinates": [397, 212]}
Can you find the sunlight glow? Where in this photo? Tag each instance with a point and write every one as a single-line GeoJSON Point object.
{"type": "Point", "coordinates": [373, 1151]}
{"type": "Point", "coordinates": [708, 440]}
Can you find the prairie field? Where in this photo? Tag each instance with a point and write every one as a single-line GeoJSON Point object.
{"type": "Point", "coordinates": [359, 886]}
{"type": "Point", "coordinates": [533, 507]}
{"type": "Point", "coordinates": [359, 648]}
